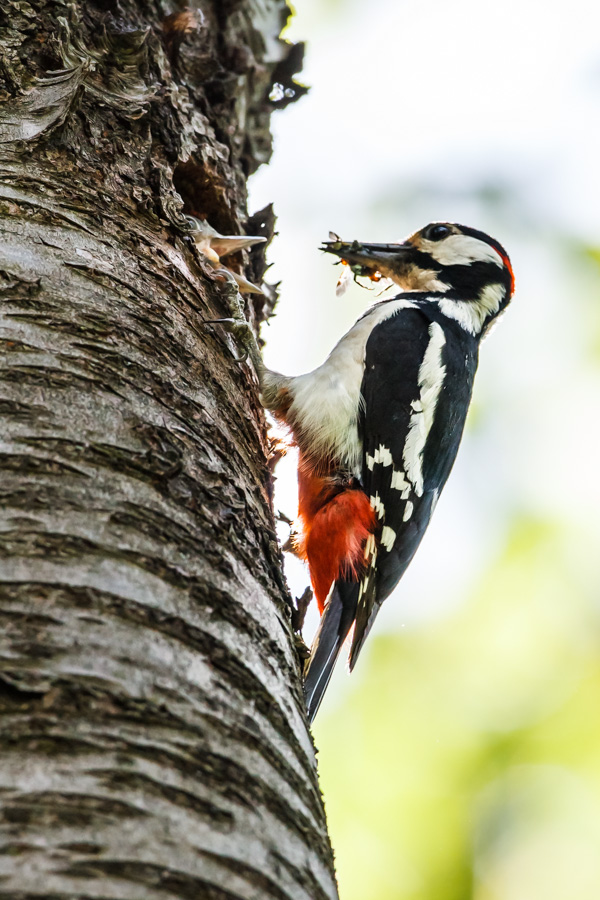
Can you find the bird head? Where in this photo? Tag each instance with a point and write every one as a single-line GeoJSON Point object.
{"type": "Point", "coordinates": [461, 263]}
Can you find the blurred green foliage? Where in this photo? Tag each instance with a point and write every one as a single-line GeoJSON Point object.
{"type": "Point", "coordinates": [461, 761]}
{"type": "Point", "coordinates": [466, 763]}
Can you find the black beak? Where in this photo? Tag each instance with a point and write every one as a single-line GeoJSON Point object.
{"type": "Point", "coordinates": [369, 259]}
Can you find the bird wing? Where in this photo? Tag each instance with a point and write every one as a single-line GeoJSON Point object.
{"type": "Point", "coordinates": [403, 378]}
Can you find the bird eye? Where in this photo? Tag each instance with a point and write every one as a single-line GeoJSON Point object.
{"type": "Point", "coordinates": [436, 232]}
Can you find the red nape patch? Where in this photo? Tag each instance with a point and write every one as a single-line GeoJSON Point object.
{"type": "Point", "coordinates": [508, 265]}
{"type": "Point", "coordinates": [334, 532]}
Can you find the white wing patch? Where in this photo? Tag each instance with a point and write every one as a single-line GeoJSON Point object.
{"type": "Point", "coordinates": [382, 456]}
{"type": "Point", "coordinates": [471, 314]}
{"type": "Point", "coordinates": [371, 559]}
{"type": "Point", "coordinates": [370, 547]}
{"type": "Point", "coordinates": [378, 506]}
{"type": "Point", "coordinates": [388, 537]}
{"type": "Point", "coordinates": [431, 379]}
{"type": "Point", "coordinates": [408, 511]}
{"type": "Point", "coordinates": [399, 483]}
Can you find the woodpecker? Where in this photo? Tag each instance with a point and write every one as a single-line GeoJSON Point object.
{"type": "Point", "coordinates": [379, 423]}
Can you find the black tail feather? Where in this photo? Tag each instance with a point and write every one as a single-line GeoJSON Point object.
{"type": "Point", "coordinates": [364, 622]}
{"type": "Point", "coordinates": [335, 624]}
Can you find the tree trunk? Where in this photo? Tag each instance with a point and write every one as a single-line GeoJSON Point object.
{"type": "Point", "coordinates": [152, 735]}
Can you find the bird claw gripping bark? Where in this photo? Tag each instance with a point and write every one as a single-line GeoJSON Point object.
{"type": "Point", "coordinates": [237, 324]}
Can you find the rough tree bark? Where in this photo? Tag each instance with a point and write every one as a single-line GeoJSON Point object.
{"type": "Point", "coordinates": [153, 742]}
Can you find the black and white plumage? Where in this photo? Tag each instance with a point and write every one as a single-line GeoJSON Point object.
{"type": "Point", "coordinates": [378, 425]}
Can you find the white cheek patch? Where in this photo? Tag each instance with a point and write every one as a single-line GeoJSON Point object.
{"type": "Point", "coordinates": [471, 314]}
{"type": "Point", "coordinates": [490, 299]}
{"type": "Point", "coordinates": [462, 249]}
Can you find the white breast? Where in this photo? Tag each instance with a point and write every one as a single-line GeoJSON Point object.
{"type": "Point", "coordinates": [326, 401]}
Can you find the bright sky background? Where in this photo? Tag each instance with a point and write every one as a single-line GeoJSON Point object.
{"type": "Point", "coordinates": [486, 114]}
{"type": "Point", "coordinates": [470, 112]}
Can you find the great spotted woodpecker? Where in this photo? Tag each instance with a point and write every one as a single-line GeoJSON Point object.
{"type": "Point", "coordinates": [379, 423]}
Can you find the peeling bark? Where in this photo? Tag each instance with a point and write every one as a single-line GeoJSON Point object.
{"type": "Point", "coordinates": [153, 741]}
